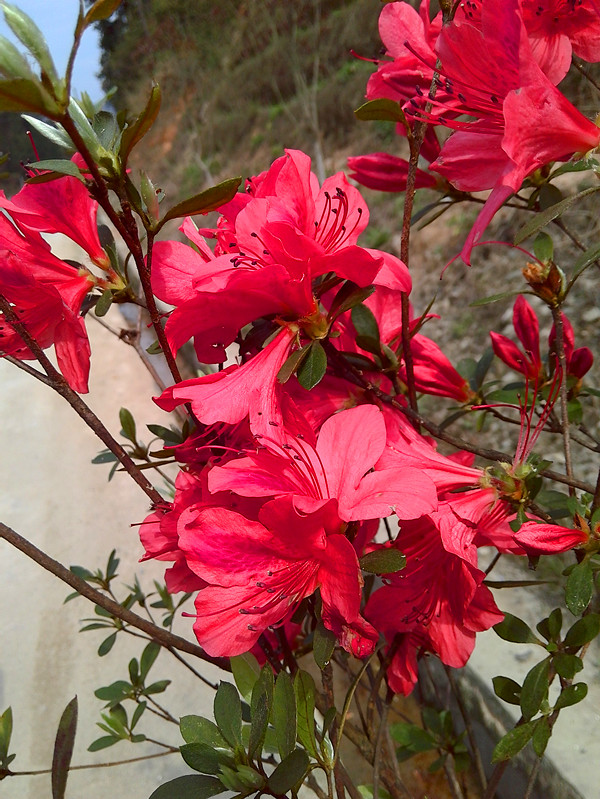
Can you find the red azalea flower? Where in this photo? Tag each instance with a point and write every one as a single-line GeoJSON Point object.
{"type": "Point", "coordinates": [436, 603]}
{"type": "Point", "coordinates": [341, 466]}
{"type": "Point", "coordinates": [521, 122]}
{"type": "Point", "coordinates": [258, 572]}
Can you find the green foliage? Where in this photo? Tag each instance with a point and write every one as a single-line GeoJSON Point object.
{"type": "Point", "coordinates": [63, 749]}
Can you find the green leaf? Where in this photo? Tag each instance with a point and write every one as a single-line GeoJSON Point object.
{"type": "Point", "coordinates": [103, 743]}
{"type": "Point", "coordinates": [107, 645]}
{"type": "Point", "coordinates": [571, 695]}
{"type": "Point", "coordinates": [207, 200]}
{"type": "Point", "coordinates": [543, 247]}
{"type": "Point", "coordinates": [18, 94]}
{"type": "Point", "coordinates": [114, 692]}
{"type": "Point", "coordinates": [365, 323]}
{"type": "Point", "coordinates": [201, 757]}
{"type": "Point", "coordinates": [284, 714]}
{"type": "Point", "coordinates": [289, 772]}
{"type": "Point", "coordinates": [157, 687]}
{"type": "Point", "coordinates": [549, 196]}
{"type": "Point", "coordinates": [228, 713]}
{"type": "Point", "coordinates": [197, 729]}
{"type": "Point", "coordinates": [583, 631]}
{"type": "Point", "coordinates": [412, 737]}
{"type": "Point", "coordinates": [580, 587]}
{"type": "Point", "coordinates": [541, 736]}
{"type": "Point", "coordinates": [28, 33]}
{"type": "Point", "coordinates": [535, 689]}
{"type": "Point", "coordinates": [63, 749]}
{"type": "Point", "coordinates": [513, 742]}
{"type": "Point", "coordinates": [304, 689]}
{"type": "Point", "coordinates": [348, 297]}
{"type": "Point", "coordinates": [504, 295]}
{"type": "Point", "coordinates": [191, 786]}
{"type": "Point", "coordinates": [62, 166]}
{"type": "Point", "coordinates": [567, 666]}
{"type": "Point", "coordinates": [105, 457]}
{"type": "Point", "coordinates": [323, 644]}
{"type": "Point", "coordinates": [168, 436]}
{"type": "Point", "coordinates": [101, 9]}
{"type": "Point", "coordinates": [12, 63]}
{"type": "Point", "coordinates": [381, 109]}
{"type": "Point", "coordinates": [383, 561]}
{"type": "Point", "coordinates": [149, 655]}
{"type": "Point", "coordinates": [260, 711]}
{"type": "Point", "coordinates": [313, 367]}
{"type": "Point", "coordinates": [515, 630]}
{"type": "Point", "coordinates": [137, 714]}
{"type": "Point", "coordinates": [6, 726]}
{"type": "Point", "coordinates": [136, 131]}
{"type": "Point", "coordinates": [544, 218]}
{"type": "Point", "coordinates": [128, 424]}
{"type": "Point", "coordinates": [103, 303]}
{"type": "Point", "coordinates": [292, 363]}
{"type": "Point", "coordinates": [588, 257]}
{"type": "Point", "coordinates": [507, 689]}
{"type": "Point", "coordinates": [246, 671]}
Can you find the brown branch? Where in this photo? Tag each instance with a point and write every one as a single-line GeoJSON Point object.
{"type": "Point", "coordinates": [564, 410]}
{"type": "Point", "coordinates": [82, 766]}
{"type": "Point", "coordinates": [158, 634]}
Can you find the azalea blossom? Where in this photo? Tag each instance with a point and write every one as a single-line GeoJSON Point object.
{"type": "Point", "coordinates": [340, 465]}
{"type": "Point", "coordinates": [258, 572]}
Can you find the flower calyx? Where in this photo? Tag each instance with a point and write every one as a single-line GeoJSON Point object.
{"type": "Point", "coordinates": [547, 280]}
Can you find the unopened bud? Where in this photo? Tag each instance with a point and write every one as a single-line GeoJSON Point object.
{"type": "Point", "coordinates": [547, 281]}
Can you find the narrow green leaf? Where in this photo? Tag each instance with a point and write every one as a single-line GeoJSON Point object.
{"type": "Point", "coordinates": [103, 743]}
{"type": "Point", "coordinates": [515, 630]}
{"type": "Point", "coordinates": [136, 131]}
{"type": "Point", "coordinates": [207, 200]}
{"type": "Point", "coordinates": [292, 363]}
{"type": "Point", "coordinates": [157, 687]}
{"type": "Point", "coordinates": [259, 719]}
{"type": "Point", "coordinates": [347, 297]}
{"type": "Point", "coordinates": [28, 33]}
{"type": "Point", "coordinates": [59, 165]}
{"type": "Point", "coordinates": [588, 257]}
{"type": "Point", "coordinates": [381, 109]}
{"type": "Point", "coordinates": [6, 726]}
{"type": "Point", "coordinates": [507, 689]}
{"type": "Point", "coordinates": [246, 671]}
{"type": "Point", "coordinates": [535, 689]}
{"type": "Point", "coordinates": [19, 94]}
{"type": "Point", "coordinates": [201, 757]}
{"type": "Point", "coordinates": [107, 645]}
{"type": "Point", "coordinates": [105, 457]}
{"type": "Point", "coordinates": [383, 561]}
{"type": "Point", "coordinates": [191, 786]}
{"type": "Point", "coordinates": [541, 736]}
{"type": "Point", "coordinates": [113, 692]}
{"type": "Point", "coordinates": [63, 749]}
{"type": "Point", "coordinates": [12, 63]}
{"type": "Point", "coordinates": [154, 348]}
{"type": "Point", "coordinates": [504, 295]}
{"type": "Point", "coordinates": [289, 772]}
{"type": "Point", "coordinates": [580, 587]}
{"type": "Point", "coordinates": [313, 367]}
{"type": "Point", "coordinates": [365, 323]}
{"type": "Point", "coordinates": [101, 9]}
{"type": "Point", "coordinates": [104, 302]}
{"type": "Point", "coordinates": [284, 714]}
{"type": "Point", "coordinates": [304, 689]}
{"type": "Point", "coordinates": [323, 644]}
{"type": "Point", "coordinates": [138, 713]}
{"type": "Point", "coordinates": [543, 247]}
{"type": "Point", "coordinates": [513, 742]}
{"type": "Point", "coordinates": [583, 631]}
{"type": "Point", "coordinates": [571, 695]}
{"type": "Point", "coordinates": [128, 424]}
{"type": "Point", "coordinates": [168, 436]}
{"type": "Point", "coordinates": [228, 713]}
{"type": "Point", "coordinates": [149, 655]}
{"type": "Point", "coordinates": [197, 729]}
{"type": "Point", "coordinates": [544, 218]}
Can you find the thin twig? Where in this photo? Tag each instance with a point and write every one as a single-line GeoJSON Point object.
{"type": "Point", "coordinates": [158, 634]}
{"type": "Point", "coordinates": [29, 369]}
{"type": "Point", "coordinates": [88, 765]}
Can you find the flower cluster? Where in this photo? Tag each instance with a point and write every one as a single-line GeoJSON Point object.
{"type": "Point", "coordinates": [46, 293]}
{"type": "Point", "coordinates": [296, 458]}
{"type": "Point", "coordinates": [498, 64]}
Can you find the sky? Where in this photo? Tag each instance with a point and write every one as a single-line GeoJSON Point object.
{"type": "Point", "coordinates": [56, 19]}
